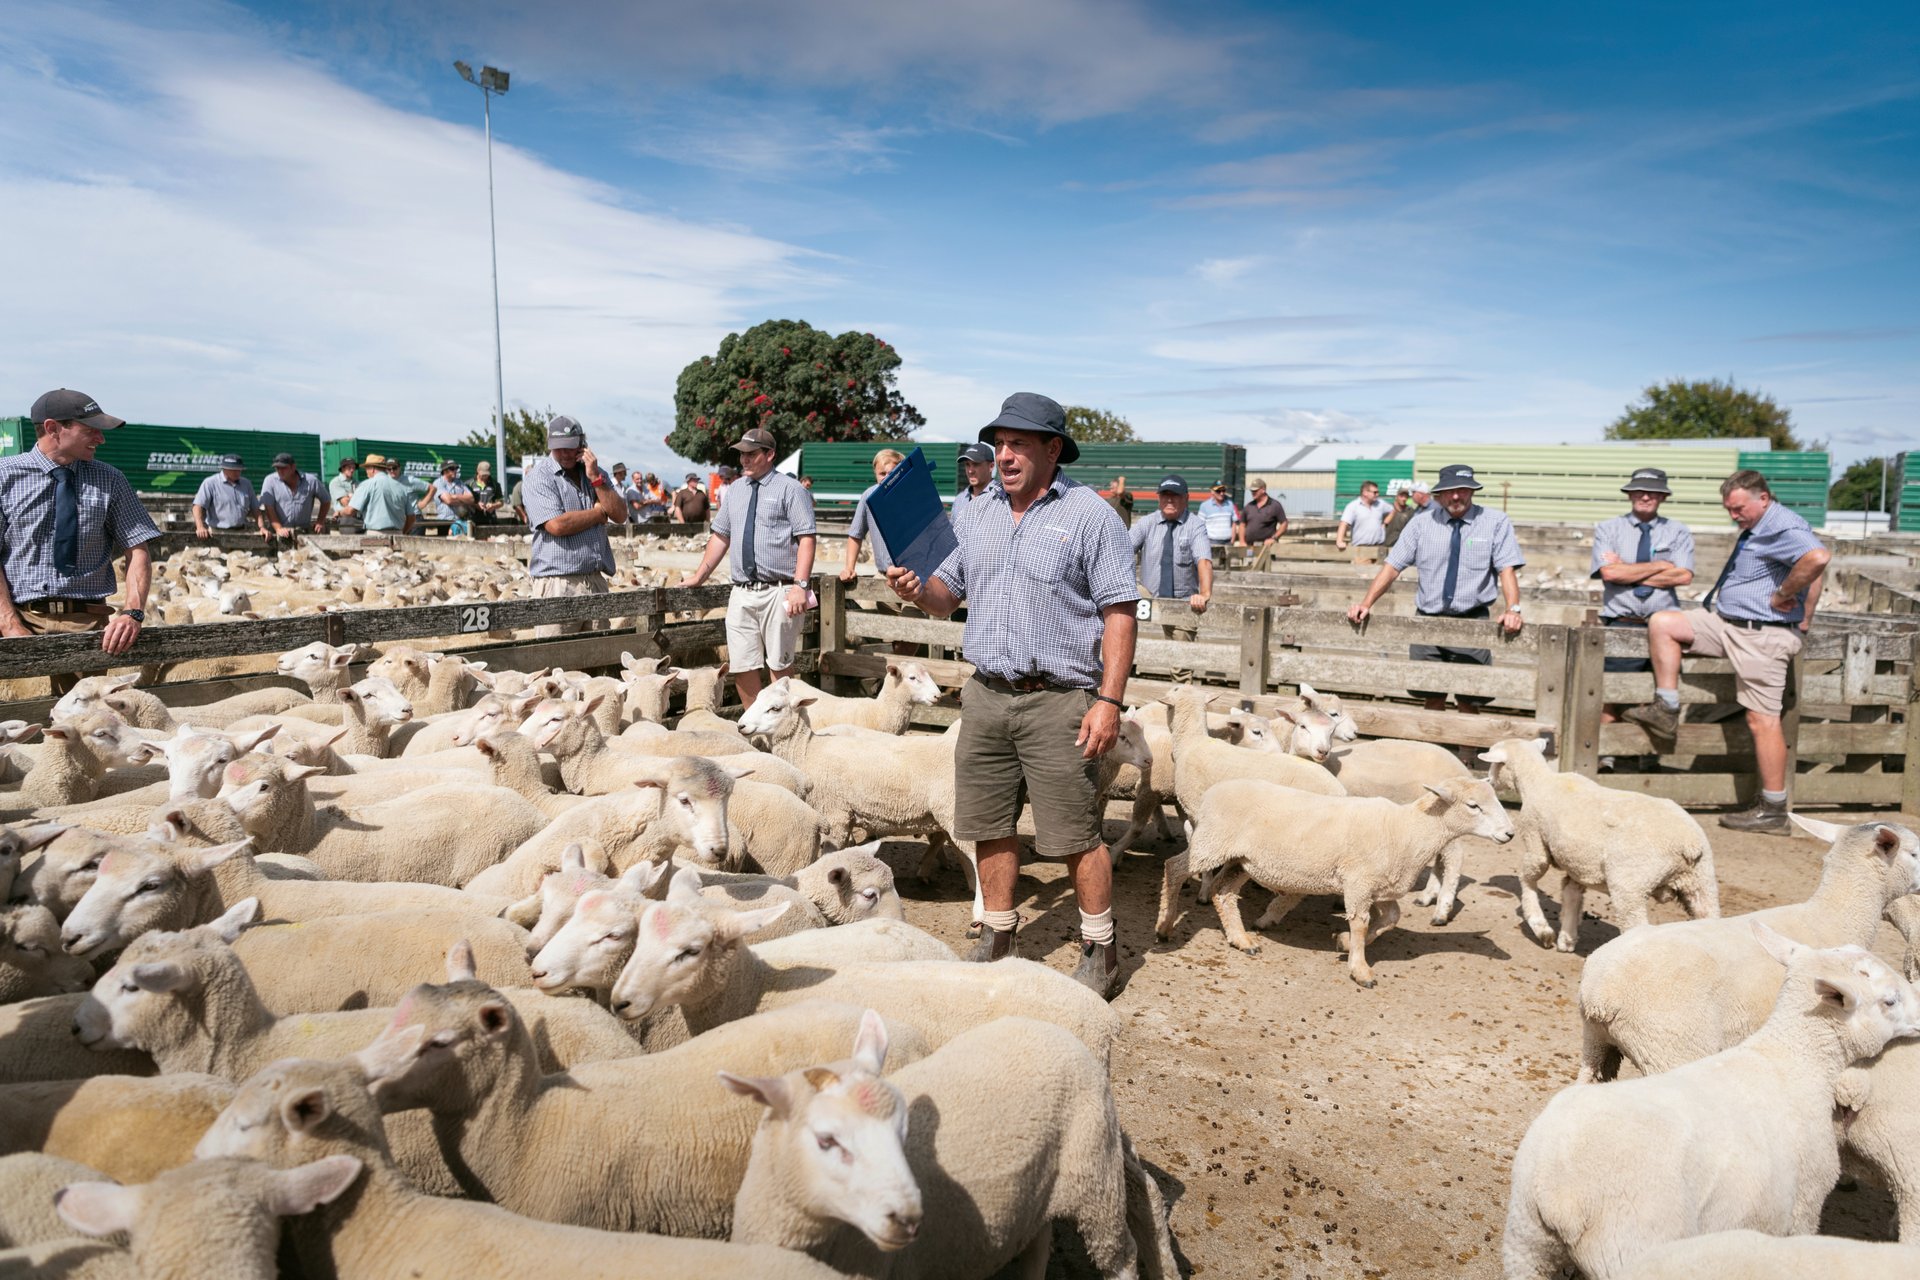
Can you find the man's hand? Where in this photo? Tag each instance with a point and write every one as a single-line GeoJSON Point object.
{"type": "Point", "coordinates": [201, 531]}
{"type": "Point", "coordinates": [692, 578]}
{"type": "Point", "coordinates": [1339, 545]}
{"type": "Point", "coordinates": [14, 628]}
{"type": "Point", "coordinates": [1784, 603]}
{"type": "Point", "coordinates": [1511, 622]}
{"type": "Point", "coordinates": [796, 600]}
{"type": "Point", "coordinates": [1357, 614]}
{"type": "Point", "coordinates": [591, 463]}
{"type": "Point", "coordinates": [120, 634]}
{"type": "Point", "coordinates": [1610, 557]}
{"type": "Point", "coordinates": [320, 525]}
{"type": "Point", "coordinates": [906, 584]}
{"type": "Point", "coordinates": [1099, 730]}
{"type": "Point", "coordinates": [1197, 602]}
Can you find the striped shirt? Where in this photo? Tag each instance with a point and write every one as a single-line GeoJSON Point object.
{"type": "Point", "coordinates": [111, 521]}
{"type": "Point", "coordinates": [1761, 562]}
{"type": "Point", "coordinates": [783, 514]}
{"type": "Point", "coordinates": [1034, 590]}
{"type": "Point", "coordinates": [552, 492]}
{"type": "Point", "coordinates": [1487, 545]}
{"type": "Point", "coordinates": [1191, 547]}
{"type": "Point", "coordinates": [294, 506]}
{"type": "Point", "coordinates": [227, 504]}
{"type": "Point", "coordinates": [1672, 542]}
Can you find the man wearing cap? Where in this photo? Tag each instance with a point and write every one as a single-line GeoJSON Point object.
{"type": "Point", "coordinates": [1640, 558]}
{"type": "Point", "coordinates": [291, 499]}
{"type": "Point", "coordinates": [1415, 496]}
{"type": "Point", "coordinates": [1756, 616]}
{"type": "Point", "coordinates": [1176, 565]}
{"type": "Point", "coordinates": [765, 531]}
{"type": "Point", "coordinates": [1466, 555]}
{"type": "Point", "coordinates": [1365, 522]}
{"type": "Point", "coordinates": [1046, 572]}
{"type": "Point", "coordinates": [1262, 522]}
{"type": "Point", "coordinates": [976, 468]}
{"type": "Point", "coordinates": [449, 494]}
{"type": "Point", "coordinates": [341, 487]}
{"type": "Point", "coordinates": [225, 501]}
{"type": "Point", "coordinates": [570, 503]}
{"type": "Point", "coordinates": [864, 527]}
{"type": "Point", "coordinates": [486, 494]}
{"type": "Point", "coordinates": [1220, 516]}
{"type": "Point", "coordinates": [383, 502]}
{"type": "Point", "coordinates": [690, 504]}
{"type": "Point", "coordinates": [63, 517]}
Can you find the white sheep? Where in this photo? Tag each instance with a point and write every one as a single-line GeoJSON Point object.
{"type": "Point", "coordinates": [1879, 1108]}
{"type": "Point", "coordinates": [1367, 850]}
{"type": "Point", "coordinates": [130, 1128]}
{"type": "Point", "coordinates": [516, 765]}
{"type": "Point", "coordinates": [841, 1171]}
{"type": "Point", "coordinates": [16, 842]}
{"type": "Point", "coordinates": [349, 962]}
{"type": "Point", "coordinates": [372, 709]}
{"type": "Point", "coordinates": [1757, 1255]}
{"type": "Point", "coordinates": [36, 1043]}
{"type": "Point", "coordinates": [29, 1181]}
{"type": "Point", "coordinates": [1665, 994]}
{"type": "Point", "coordinates": [1744, 1138]}
{"type": "Point", "coordinates": [322, 667]}
{"type": "Point", "coordinates": [1637, 847]}
{"type": "Point", "coordinates": [706, 688]}
{"type": "Point", "coordinates": [905, 685]}
{"type": "Point", "coordinates": [850, 884]}
{"type": "Point", "coordinates": [1200, 760]}
{"type": "Point", "coordinates": [32, 962]}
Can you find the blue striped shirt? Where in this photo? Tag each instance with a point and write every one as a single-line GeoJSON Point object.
{"type": "Point", "coordinates": [1487, 545]}
{"type": "Point", "coordinates": [1034, 590]}
{"type": "Point", "coordinates": [1672, 542]}
{"type": "Point", "coordinates": [293, 505]}
{"type": "Point", "coordinates": [1761, 562]}
{"type": "Point", "coordinates": [1191, 548]}
{"type": "Point", "coordinates": [226, 504]}
{"type": "Point", "coordinates": [111, 521]}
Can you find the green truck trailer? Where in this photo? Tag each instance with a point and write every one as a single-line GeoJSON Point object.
{"type": "Point", "coordinates": [172, 461]}
{"type": "Point", "coordinates": [419, 463]}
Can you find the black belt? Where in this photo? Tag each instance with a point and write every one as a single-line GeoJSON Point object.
{"type": "Point", "coordinates": [1751, 624]}
{"type": "Point", "coordinates": [768, 582]}
{"type": "Point", "coordinates": [1478, 611]}
{"type": "Point", "coordinates": [1026, 684]}
{"type": "Point", "coordinates": [1622, 620]}
{"type": "Point", "coordinates": [56, 605]}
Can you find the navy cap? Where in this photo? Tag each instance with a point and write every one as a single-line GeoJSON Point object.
{"type": "Point", "coordinates": [73, 406]}
{"type": "Point", "coordinates": [1458, 476]}
{"type": "Point", "coordinates": [564, 433]}
{"type": "Point", "coordinates": [1030, 411]}
{"type": "Point", "coordinates": [1647, 480]}
{"type": "Point", "coordinates": [284, 460]}
{"type": "Point", "coordinates": [231, 462]}
{"type": "Point", "coordinates": [1174, 484]}
{"type": "Point", "coordinates": [977, 452]}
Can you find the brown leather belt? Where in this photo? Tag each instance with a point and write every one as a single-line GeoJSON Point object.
{"type": "Point", "coordinates": [1025, 684]}
{"type": "Point", "coordinates": [54, 607]}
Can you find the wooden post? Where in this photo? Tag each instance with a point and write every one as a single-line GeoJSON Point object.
{"type": "Point", "coordinates": [1586, 697]}
{"type": "Point", "coordinates": [1910, 767]}
{"type": "Point", "coordinates": [1856, 669]}
{"type": "Point", "coordinates": [833, 624]}
{"type": "Point", "coordinates": [1552, 669]}
{"type": "Point", "coordinates": [1256, 635]}
{"type": "Point", "coordinates": [1790, 720]}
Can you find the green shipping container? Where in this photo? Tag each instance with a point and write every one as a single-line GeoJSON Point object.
{"type": "Point", "coordinates": [842, 472]}
{"type": "Point", "coordinates": [1904, 494]}
{"type": "Point", "coordinates": [419, 463]}
{"type": "Point", "coordinates": [1350, 473]}
{"type": "Point", "coordinates": [1800, 481]}
{"type": "Point", "coordinates": [172, 461]}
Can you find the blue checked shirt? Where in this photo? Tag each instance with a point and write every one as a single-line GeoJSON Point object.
{"type": "Point", "coordinates": [783, 514]}
{"type": "Point", "coordinates": [962, 500]}
{"type": "Point", "coordinates": [1761, 563]}
{"type": "Point", "coordinates": [1487, 545]}
{"type": "Point", "coordinates": [551, 492]}
{"type": "Point", "coordinates": [294, 506]}
{"type": "Point", "coordinates": [111, 521]}
{"type": "Point", "coordinates": [1034, 591]}
{"type": "Point", "coordinates": [1672, 542]}
{"type": "Point", "coordinates": [1191, 546]}
{"type": "Point", "coordinates": [226, 505]}
{"type": "Point", "coordinates": [864, 527]}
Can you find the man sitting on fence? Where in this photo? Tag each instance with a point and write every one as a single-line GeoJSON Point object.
{"type": "Point", "coordinates": [1176, 567]}
{"type": "Point", "coordinates": [1640, 558]}
{"type": "Point", "coordinates": [1766, 596]}
{"type": "Point", "coordinates": [1465, 555]}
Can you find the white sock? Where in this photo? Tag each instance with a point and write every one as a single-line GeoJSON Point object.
{"type": "Point", "coordinates": [1669, 696]}
{"type": "Point", "coordinates": [1001, 921]}
{"type": "Point", "coordinates": [1773, 797]}
{"type": "Point", "coordinates": [1097, 929]}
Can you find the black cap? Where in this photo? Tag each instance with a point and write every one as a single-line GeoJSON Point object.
{"type": "Point", "coordinates": [449, 464]}
{"type": "Point", "coordinates": [977, 452]}
{"type": "Point", "coordinates": [73, 406]}
{"type": "Point", "coordinates": [349, 462]}
{"type": "Point", "coordinates": [1174, 484]}
{"type": "Point", "coordinates": [564, 433]}
{"type": "Point", "coordinates": [1647, 480]}
{"type": "Point", "coordinates": [232, 462]}
{"type": "Point", "coordinates": [1029, 411]}
{"type": "Point", "coordinates": [1457, 476]}
{"type": "Point", "coordinates": [284, 460]}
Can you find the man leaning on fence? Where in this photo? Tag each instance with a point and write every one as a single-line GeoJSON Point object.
{"type": "Point", "coordinates": [1466, 556]}
{"type": "Point", "coordinates": [63, 518]}
{"type": "Point", "coordinates": [1263, 522]}
{"type": "Point", "coordinates": [570, 503]}
{"type": "Point", "coordinates": [1176, 566]}
{"type": "Point", "coordinates": [1641, 558]}
{"type": "Point", "coordinates": [1756, 617]}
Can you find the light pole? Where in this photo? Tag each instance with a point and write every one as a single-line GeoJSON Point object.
{"type": "Point", "coordinates": [492, 80]}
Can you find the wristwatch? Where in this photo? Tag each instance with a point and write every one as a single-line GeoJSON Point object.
{"type": "Point", "coordinates": [1514, 608]}
{"type": "Point", "coordinates": [138, 615]}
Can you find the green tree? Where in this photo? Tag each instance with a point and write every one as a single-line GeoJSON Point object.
{"type": "Point", "coordinates": [1859, 488]}
{"type": "Point", "coordinates": [1098, 426]}
{"type": "Point", "coordinates": [798, 382]}
{"type": "Point", "coordinates": [1713, 410]}
{"type": "Point", "coordinates": [526, 433]}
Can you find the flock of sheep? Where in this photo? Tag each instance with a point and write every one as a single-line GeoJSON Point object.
{"type": "Point", "coordinates": [464, 972]}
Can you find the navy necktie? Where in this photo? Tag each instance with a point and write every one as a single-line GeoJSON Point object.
{"type": "Point", "coordinates": [1169, 528]}
{"type": "Point", "coordinates": [1644, 554]}
{"type": "Point", "coordinates": [1726, 568]}
{"type": "Point", "coordinates": [747, 564]}
{"type": "Point", "coordinates": [1453, 565]}
{"type": "Point", "coordinates": [66, 522]}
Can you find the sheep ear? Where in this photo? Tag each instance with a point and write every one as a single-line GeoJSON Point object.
{"type": "Point", "coordinates": [292, 1192]}
{"type": "Point", "coordinates": [839, 876]}
{"type": "Point", "coordinates": [1828, 831]}
{"type": "Point", "coordinates": [98, 1208]}
{"type": "Point", "coordinates": [41, 834]}
{"type": "Point", "coordinates": [573, 857]}
{"type": "Point", "coordinates": [685, 886]}
{"type": "Point", "coordinates": [495, 1018]}
{"type": "Point", "coordinates": [391, 1053]}
{"type": "Point", "coordinates": [159, 977]}
{"type": "Point", "coordinates": [336, 739]}
{"type": "Point", "coordinates": [739, 924]}
{"type": "Point", "coordinates": [1839, 992]}
{"type": "Point", "coordinates": [743, 769]}
{"type": "Point", "coordinates": [525, 913]}
{"type": "Point", "coordinates": [1438, 788]}
{"type": "Point", "coordinates": [771, 1092]}
{"type": "Point", "coordinates": [1494, 755]}
{"type": "Point", "coordinates": [1281, 713]}
{"type": "Point", "coordinates": [1780, 947]}
{"type": "Point", "coordinates": [481, 674]}
{"type": "Point", "coordinates": [1539, 745]}
{"type": "Point", "coordinates": [870, 1045]}
{"type": "Point", "coordinates": [348, 694]}
{"type": "Point", "coordinates": [254, 737]}
{"type": "Point", "coordinates": [240, 914]}
{"type": "Point", "coordinates": [208, 859]}
{"type": "Point", "coordinates": [305, 1110]}
{"type": "Point", "coordinates": [475, 668]}
{"type": "Point", "coordinates": [1886, 840]}
{"type": "Point", "coordinates": [1308, 691]}
{"type": "Point", "coordinates": [593, 705]}
{"type": "Point", "coordinates": [642, 876]}
{"type": "Point", "coordinates": [460, 962]}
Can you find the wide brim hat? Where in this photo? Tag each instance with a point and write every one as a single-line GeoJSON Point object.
{"type": "Point", "coordinates": [1458, 476]}
{"type": "Point", "coordinates": [1647, 480]}
{"type": "Point", "coordinates": [1042, 415]}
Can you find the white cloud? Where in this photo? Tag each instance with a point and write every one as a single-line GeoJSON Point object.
{"type": "Point", "coordinates": [1226, 271]}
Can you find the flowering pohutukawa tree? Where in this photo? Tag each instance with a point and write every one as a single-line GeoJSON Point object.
{"type": "Point", "coordinates": [796, 381]}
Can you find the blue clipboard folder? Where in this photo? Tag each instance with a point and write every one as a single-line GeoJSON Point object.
{"type": "Point", "coordinates": [907, 509]}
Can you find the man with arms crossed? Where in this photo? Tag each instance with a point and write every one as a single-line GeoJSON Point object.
{"type": "Point", "coordinates": [1640, 558]}
{"type": "Point", "coordinates": [1046, 571]}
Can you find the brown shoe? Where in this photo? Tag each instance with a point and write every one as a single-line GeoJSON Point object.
{"type": "Point", "coordinates": [1099, 967]}
{"type": "Point", "coordinates": [1765, 818]}
{"type": "Point", "coordinates": [1657, 718]}
{"type": "Point", "coordinates": [993, 945]}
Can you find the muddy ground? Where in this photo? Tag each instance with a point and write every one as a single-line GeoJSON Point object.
{"type": "Point", "coordinates": [1303, 1127]}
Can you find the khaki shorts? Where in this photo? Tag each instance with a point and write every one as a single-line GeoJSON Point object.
{"type": "Point", "coordinates": [1018, 747]}
{"type": "Point", "coordinates": [759, 630]}
{"type": "Point", "coordinates": [1759, 658]}
{"type": "Point", "coordinates": [556, 586]}
{"type": "Point", "coordinates": [52, 624]}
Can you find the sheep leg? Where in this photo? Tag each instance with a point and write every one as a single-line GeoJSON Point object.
{"type": "Point", "coordinates": [930, 860]}
{"type": "Point", "coordinates": [1354, 940]}
{"type": "Point", "coordinates": [1277, 910]}
{"type": "Point", "coordinates": [1445, 881]}
{"type": "Point", "coordinates": [1146, 811]}
{"type": "Point", "coordinates": [1573, 896]}
{"type": "Point", "coordinates": [1599, 1055]}
{"type": "Point", "coordinates": [1630, 903]}
{"type": "Point", "coordinates": [1385, 915]}
{"type": "Point", "coordinates": [1226, 903]}
{"type": "Point", "coordinates": [1533, 865]}
{"type": "Point", "coordinates": [1172, 875]}
{"type": "Point", "coordinates": [1032, 1262]}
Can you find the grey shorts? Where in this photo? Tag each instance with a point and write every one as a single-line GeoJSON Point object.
{"type": "Point", "coordinates": [1018, 747]}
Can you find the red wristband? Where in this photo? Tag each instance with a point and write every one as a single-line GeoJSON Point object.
{"type": "Point", "coordinates": [601, 483]}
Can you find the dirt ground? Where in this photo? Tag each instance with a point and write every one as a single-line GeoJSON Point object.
{"type": "Point", "coordinates": [1302, 1127]}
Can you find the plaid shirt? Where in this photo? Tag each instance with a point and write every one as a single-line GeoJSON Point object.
{"type": "Point", "coordinates": [1034, 591]}
{"type": "Point", "coordinates": [1761, 561]}
{"type": "Point", "coordinates": [111, 521]}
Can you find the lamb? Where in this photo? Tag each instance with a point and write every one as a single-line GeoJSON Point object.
{"type": "Point", "coordinates": [1755, 1255]}
{"type": "Point", "coordinates": [705, 689]}
{"type": "Point", "coordinates": [322, 667]}
{"type": "Point", "coordinates": [350, 962]}
{"type": "Point", "coordinates": [195, 757]}
{"type": "Point", "coordinates": [16, 843]}
{"type": "Point", "coordinates": [516, 766]}
{"type": "Point", "coordinates": [301, 1109]}
{"type": "Point", "coordinates": [841, 1171]}
{"type": "Point", "coordinates": [695, 959]}
{"type": "Point", "coordinates": [372, 709]}
{"type": "Point", "coordinates": [1200, 761]}
{"type": "Point", "coordinates": [648, 739]}
{"type": "Point", "coordinates": [31, 961]}
{"type": "Point", "coordinates": [29, 1180]}
{"type": "Point", "coordinates": [1744, 1138]}
{"type": "Point", "coordinates": [550, 906]}
{"type": "Point", "coordinates": [905, 686]}
{"type": "Point", "coordinates": [769, 829]}
{"type": "Point", "coordinates": [588, 764]}
{"type": "Point", "coordinates": [677, 1143]}
{"type": "Point", "coordinates": [67, 770]}
{"type": "Point", "coordinates": [130, 1128]}
{"type": "Point", "coordinates": [851, 884]}
{"type": "Point", "coordinates": [607, 692]}
{"type": "Point", "coordinates": [141, 708]}
{"type": "Point", "coordinates": [450, 685]}
{"type": "Point", "coordinates": [407, 669]}
{"type": "Point", "coordinates": [1666, 994]}
{"type": "Point", "coordinates": [36, 1043]}
{"type": "Point", "coordinates": [1636, 846]}
{"type": "Point", "coordinates": [648, 689]}
{"type": "Point", "coordinates": [1367, 850]}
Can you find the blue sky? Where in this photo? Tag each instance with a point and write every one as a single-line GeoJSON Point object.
{"type": "Point", "coordinates": [1397, 223]}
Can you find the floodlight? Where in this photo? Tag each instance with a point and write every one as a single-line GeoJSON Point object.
{"type": "Point", "coordinates": [466, 72]}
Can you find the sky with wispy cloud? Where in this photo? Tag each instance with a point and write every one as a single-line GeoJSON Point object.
{"type": "Point", "coordinates": [1261, 224]}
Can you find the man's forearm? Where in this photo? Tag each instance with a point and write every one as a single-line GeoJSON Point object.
{"type": "Point", "coordinates": [615, 505]}
{"type": "Point", "coordinates": [1807, 568]}
{"type": "Point", "coordinates": [10, 619]}
{"type": "Point", "coordinates": [1381, 582]}
{"type": "Point", "coordinates": [570, 522]}
{"type": "Point", "coordinates": [936, 600]}
{"type": "Point", "coordinates": [715, 553]}
{"type": "Point", "coordinates": [1206, 577]}
{"type": "Point", "coordinates": [1281, 530]}
{"type": "Point", "coordinates": [1813, 599]}
{"type": "Point", "coordinates": [803, 547]}
{"type": "Point", "coordinates": [1116, 651]}
{"type": "Point", "coordinates": [139, 577]}
{"type": "Point", "coordinates": [1510, 586]}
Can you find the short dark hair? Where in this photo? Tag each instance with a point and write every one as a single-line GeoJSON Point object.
{"type": "Point", "coordinates": [1369, 484]}
{"type": "Point", "coordinates": [1751, 481]}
